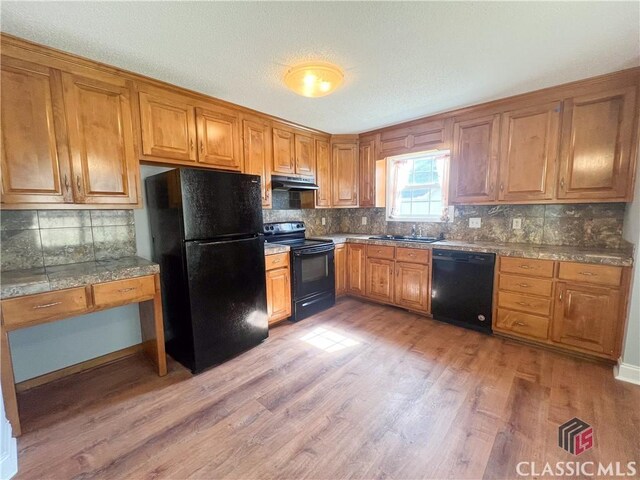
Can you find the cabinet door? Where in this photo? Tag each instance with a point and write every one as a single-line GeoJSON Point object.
{"type": "Point", "coordinates": [597, 145]}
{"type": "Point", "coordinates": [474, 160]}
{"type": "Point", "coordinates": [278, 294]}
{"type": "Point", "coordinates": [586, 317]}
{"type": "Point", "coordinates": [305, 157]}
{"type": "Point", "coordinates": [168, 128]}
{"type": "Point", "coordinates": [101, 146]}
{"type": "Point", "coordinates": [412, 286]}
{"type": "Point", "coordinates": [367, 192]}
{"type": "Point", "coordinates": [529, 152]}
{"type": "Point", "coordinates": [323, 174]}
{"type": "Point", "coordinates": [219, 139]}
{"type": "Point", "coordinates": [283, 151]}
{"type": "Point", "coordinates": [344, 168]}
{"type": "Point", "coordinates": [257, 155]}
{"type": "Point", "coordinates": [356, 269]}
{"type": "Point", "coordinates": [340, 259]}
{"type": "Point", "coordinates": [379, 279]}
{"type": "Point", "coordinates": [35, 159]}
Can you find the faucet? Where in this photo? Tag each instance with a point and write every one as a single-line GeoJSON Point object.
{"type": "Point", "coordinates": [414, 229]}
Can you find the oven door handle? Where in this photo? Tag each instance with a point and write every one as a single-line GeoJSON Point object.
{"type": "Point", "coordinates": [313, 251]}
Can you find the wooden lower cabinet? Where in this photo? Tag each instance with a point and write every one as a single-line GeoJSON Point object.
{"type": "Point", "coordinates": [340, 260]}
{"type": "Point", "coordinates": [581, 308]}
{"type": "Point", "coordinates": [379, 279]}
{"type": "Point", "coordinates": [412, 286]}
{"type": "Point", "coordinates": [278, 280]}
{"type": "Point", "coordinates": [586, 317]}
{"type": "Point", "coordinates": [356, 269]}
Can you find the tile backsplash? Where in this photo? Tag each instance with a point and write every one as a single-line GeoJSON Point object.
{"type": "Point", "coordinates": [41, 238]}
{"type": "Point", "coordinates": [583, 225]}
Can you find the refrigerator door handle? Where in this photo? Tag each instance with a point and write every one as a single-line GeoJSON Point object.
{"type": "Point", "coordinates": [222, 242]}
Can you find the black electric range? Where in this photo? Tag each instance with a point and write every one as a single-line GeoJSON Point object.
{"type": "Point", "coordinates": [312, 268]}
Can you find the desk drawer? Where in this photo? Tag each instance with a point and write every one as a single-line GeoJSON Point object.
{"type": "Point", "coordinates": [527, 266]}
{"type": "Point", "coordinates": [381, 251]}
{"type": "Point", "coordinates": [412, 255]}
{"type": "Point", "coordinates": [123, 291]}
{"type": "Point", "coordinates": [523, 324]}
{"type": "Point", "coordinates": [529, 285]}
{"type": "Point", "coordinates": [44, 306]}
{"type": "Point", "coordinates": [515, 301]}
{"type": "Point", "coordinates": [597, 274]}
{"type": "Point", "coordinates": [277, 260]}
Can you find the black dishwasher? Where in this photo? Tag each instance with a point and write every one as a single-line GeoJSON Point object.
{"type": "Point", "coordinates": [462, 288]}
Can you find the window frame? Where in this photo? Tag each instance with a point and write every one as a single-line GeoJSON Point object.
{"type": "Point", "coordinates": [390, 189]}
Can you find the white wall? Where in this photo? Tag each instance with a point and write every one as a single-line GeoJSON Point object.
{"type": "Point", "coordinates": [630, 362]}
{"type": "Point", "coordinates": [8, 450]}
{"type": "Point", "coordinates": [46, 348]}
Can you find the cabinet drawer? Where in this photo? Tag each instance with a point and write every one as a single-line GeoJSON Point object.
{"type": "Point", "coordinates": [529, 285]}
{"type": "Point", "coordinates": [121, 291]}
{"type": "Point", "coordinates": [277, 260]}
{"type": "Point", "coordinates": [527, 266]}
{"type": "Point", "coordinates": [523, 324]}
{"type": "Point", "coordinates": [40, 307]}
{"type": "Point", "coordinates": [516, 301]}
{"type": "Point", "coordinates": [380, 251]}
{"type": "Point", "coordinates": [412, 255]}
{"type": "Point", "coordinates": [598, 274]}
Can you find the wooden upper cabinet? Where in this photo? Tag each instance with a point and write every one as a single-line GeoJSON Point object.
{"type": "Point", "coordinates": [257, 154]}
{"type": "Point", "coordinates": [283, 151]}
{"type": "Point", "coordinates": [168, 128]}
{"type": "Point", "coordinates": [344, 169]}
{"type": "Point", "coordinates": [596, 154]}
{"type": "Point", "coordinates": [35, 160]}
{"type": "Point", "coordinates": [305, 157]}
{"type": "Point", "coordinates": [474, 160]}
{"type": "Point", "coordinates": [101, 145]}
{"type": "Point", "coordinates": [367, 192]}
{"type": "Point", "coordinates": [219, 138]}
{"type": "Point", "coordinates": [423, 136]}
{"type": "Point", "coordinates": [587, 317]}
{"type": "Point", "coordinates": [323, 173]}
{"type": "Point", "coordinates": [529, 150]}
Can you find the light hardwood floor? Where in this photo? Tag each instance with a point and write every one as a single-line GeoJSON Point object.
{"type": "Point", "coordinates": [407, 397]}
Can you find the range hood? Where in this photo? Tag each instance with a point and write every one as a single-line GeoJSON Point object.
{"type": "Point", "coordinates": [292, 184]}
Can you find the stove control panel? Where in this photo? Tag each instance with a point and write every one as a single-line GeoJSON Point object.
{"type": "Point", "coordinates": [278, 228]}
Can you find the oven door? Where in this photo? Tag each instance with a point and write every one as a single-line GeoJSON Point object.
{"type": "Point", "coordinates": [313, 271]}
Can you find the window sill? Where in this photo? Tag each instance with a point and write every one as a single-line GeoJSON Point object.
{"type": "Point", "coordinates": [416, 219]}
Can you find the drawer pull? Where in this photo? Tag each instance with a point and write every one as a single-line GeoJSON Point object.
{"type": "Point", "coordinates": [521, 324]}
{"type": "Point", "coordinates": [412, 254]}
{"type": "Point", "coordinates": [277, 260]}
{"type": "Point", "coordinates": [526, 267]}
{"type": "Point", "coordinates": [47, 305]}
{"type": "Point", "coordinates": [125, 290]}
{"type": "Point", "coordinates": [589, 274]}
{"type": "Point", "coordinates": [524, 304]}
{"type": "Point", "coordinates": [524, 285]}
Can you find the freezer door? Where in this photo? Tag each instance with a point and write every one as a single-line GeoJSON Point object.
{"type": "Point", "coordinates": [216, 204]}
{"type": "Point", "coordinates": [228, 298]}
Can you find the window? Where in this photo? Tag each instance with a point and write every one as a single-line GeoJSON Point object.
{"type": "Point", "coordinates": [417, 186]}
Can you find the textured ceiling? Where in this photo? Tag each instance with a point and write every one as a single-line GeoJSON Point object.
{"type": "Point", "coordinates": [402, 60]}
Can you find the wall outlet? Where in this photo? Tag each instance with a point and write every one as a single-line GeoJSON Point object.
{"type": "Point", "coordinates": [364, 220]}
{"type": "Point", "coordinates": [324, 221]}
{"type": "Point", "coordinates": [517, 224]}
{"type": "Point", "coordinates": [475, 222]}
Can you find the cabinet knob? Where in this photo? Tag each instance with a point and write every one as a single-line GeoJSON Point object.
{"type": "Point", "coordinates": [78, 183]}
{"type": "Point", "coordinates": [562, 183]}
{"type": "Point", "coordinates": [521, 324]}
{"type": "Point", "coordinates": [66, 182]}
{"type": "Point", "coordinates": [502, 187]}
{"type": "Point", "coordinates": [201, 146]}
{"type": "Point", "coordinates": [191, 143]}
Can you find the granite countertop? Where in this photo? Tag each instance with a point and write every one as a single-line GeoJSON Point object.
{"type": "Point", "coordinates": [15, 283]}
{"type": "Point", "coordinates": [604, 256]}
{"type": "Point", "coordinates": [273, 248]}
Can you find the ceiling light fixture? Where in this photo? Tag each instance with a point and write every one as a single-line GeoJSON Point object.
{"type": "Point", "coordinates": [314, 79]}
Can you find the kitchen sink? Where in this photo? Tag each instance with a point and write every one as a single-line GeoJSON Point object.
{"type": "Point", "coordinates": [407, 238]}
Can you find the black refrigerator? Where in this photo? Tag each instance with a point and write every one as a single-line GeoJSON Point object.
{"type": "Point", "coordinates": [206, 230]}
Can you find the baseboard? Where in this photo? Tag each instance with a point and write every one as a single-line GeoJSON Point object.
{"type": "Point", "coordinates": [627, 373]}
{"type": "Point", "coordinates": [78, 367]}
{"type": "Point", "coordinates": [8, 452]}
